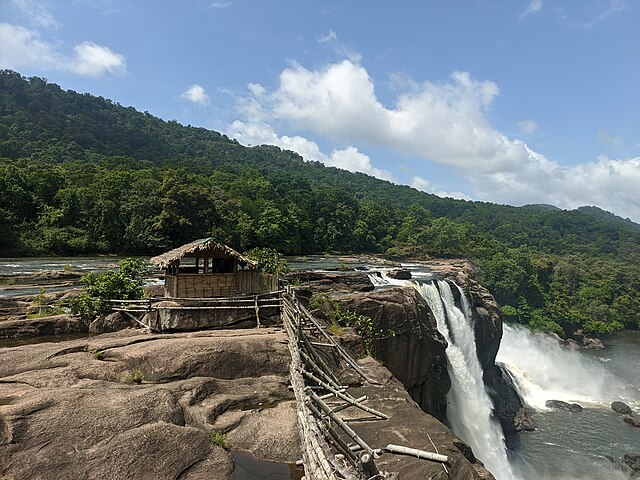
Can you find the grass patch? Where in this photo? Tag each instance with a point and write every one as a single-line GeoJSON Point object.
{"type": "Point", "coordinates": [217, 438]}
{"type": "Point", "coordinates": [137, 376]}
{"type": "Point", "coordinates": [335, 329]}
{"type": "Point", "coordinates": [99, 355]}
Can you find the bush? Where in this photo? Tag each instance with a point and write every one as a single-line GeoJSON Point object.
{"type": "Point", "coordinates": [269, 260]}
{"type": "Point", "coordinates": [219, 439]}
{"type": "Point", "coordinates": [122, 284]}
{"type": "Point", "coordinates": [363, 326]}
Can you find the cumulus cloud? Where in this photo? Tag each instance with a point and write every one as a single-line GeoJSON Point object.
{"type": "Point", "coordinates": [93, 60]}
{"type": "Point", "coordinates": [425, 185]}
{"type": "Point", "coordinates": [196, 94]}
{"type": "Point", "coordinates": [533, 7]}
{"type": "Point", "coordinates": [528, 126]}
{"type": "Point", "coordinates": [349, 158]}
{"type": "Point", "coordinates": [20, 47]}
{"type": "Point", "coordinates": [443, 122]}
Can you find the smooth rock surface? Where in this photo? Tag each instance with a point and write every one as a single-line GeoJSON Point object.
{"type": "Point", "coordinates": [560, 405]}
{"type": "Point", "coordinates": [621, 407]}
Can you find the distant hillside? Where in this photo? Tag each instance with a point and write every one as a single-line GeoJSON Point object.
{"type": "Point", "coordinates": [82, 174]}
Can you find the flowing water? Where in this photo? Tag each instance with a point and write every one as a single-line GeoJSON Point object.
{"type": "Point", "coordinates": [573, 445]}
{"type": "Point", "coordinates": [469, 406]}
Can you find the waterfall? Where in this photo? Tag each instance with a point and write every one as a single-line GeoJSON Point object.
{"type": "Point", "coordinates": [549, 372]}
{"type": "Point", "coordinates": [469, 405]}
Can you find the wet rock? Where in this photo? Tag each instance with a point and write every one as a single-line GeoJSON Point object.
{"type": "Point", "coordinates": [592, 343]}
{"type": "Point", "coordinates": [571, 344]}
{"type": "Point", "coordinates": [560, 405]}
{"type": "Point", "coordinates": [632, 420]}
{"type": "Point", "coordinates": [524, 422]}
{"type": "Point", "coordinates": [510, 408]}
{"type": "Point", "coordinates": [621, 407]}
{"type": "Point", "coordinates": [400, 274]}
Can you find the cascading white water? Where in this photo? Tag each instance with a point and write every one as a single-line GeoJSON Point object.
{"type": "Point", "coordinates": [469, 405]}
{"type": "Point", "coordinates": [549, 372]}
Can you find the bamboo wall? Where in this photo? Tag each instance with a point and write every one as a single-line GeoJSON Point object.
{"type": "Point", "coordinates": [199, 285]}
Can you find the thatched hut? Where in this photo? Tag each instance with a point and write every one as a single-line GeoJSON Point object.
{"type": "Point", "coordinates": [205, 268]}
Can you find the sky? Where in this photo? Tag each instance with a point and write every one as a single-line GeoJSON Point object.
{"type": "Point", "coordinates": [518, 102]}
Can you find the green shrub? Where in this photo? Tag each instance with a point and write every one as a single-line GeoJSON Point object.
{"type": "Point", "coordinates": [122, 284]}
{"type": "Point", "coordinates": [363, 326]}
{"type": "Point", "coordinates": [318, 301]}
{"type": "Point", "coordinates": [219, 439]}
{"type": "Point", "coordinates": [269, 260]}
{"type": "Point", "coordinates": [137, 376]}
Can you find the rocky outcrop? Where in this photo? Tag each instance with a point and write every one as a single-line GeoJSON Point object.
{"type": "Point", "coordinates": [560, 405]}
{"type": "Point", "coordinates": [74, 410]}
{"type": "Point", "coordinates": [400, 274]}
{"type": "Point", "coordinates": [592, 343]}
{"type": "Point", "coordinates": [415, 352]}
{"type": "Point", "coordinates": [35, 327]}
{"type": "Point", "coordinates": [632, 420]}
{"type": "Point", "coordinates": [327, 282]}
{"type": "Point", "coordinates": [71, 410]}
{"type": "Point", "coordinates": [621, 407]}
{"type": "Point", "coordinates": [509, 407]}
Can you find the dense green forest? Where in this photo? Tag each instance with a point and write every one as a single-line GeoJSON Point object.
{"type": "Point", "coordinates": [81, 174]}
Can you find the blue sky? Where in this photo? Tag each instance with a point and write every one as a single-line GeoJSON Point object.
{"type": "Point", "coordinates": [513, 102]}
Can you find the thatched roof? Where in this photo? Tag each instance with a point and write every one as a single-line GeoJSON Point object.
{"type": "Point", "coordinates": [202, 246]}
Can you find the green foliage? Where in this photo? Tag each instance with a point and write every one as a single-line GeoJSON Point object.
{"type": "Point", "coordinates": [362, 324]}
{"type": "Point", "coordinates": [269, 260]}
{"type": "Point", "coordinates": [122, 284]}
{"type": "Point", "coordinates": [99, 355]}
{"type": "Point", "coordinates": [217, 438]}
{"type": "Point", "coordinates": [318, 301]}
{"type": "Point", "coordinates": [81, 174]}
{"type": "Point", "coordinates": [137, 376]}
{"type": "Point", "coordinates": [43, 308]}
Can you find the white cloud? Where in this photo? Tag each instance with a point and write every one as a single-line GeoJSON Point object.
{"type": "Point", "coordinates": [20, 47]}
{"type": "Point", "coordinates": [196, 94]}
{"type": "Point", "coordinates": [533, 7]}
{"type": "Point", "coordinates": [349, 158]}
{"type": "Point", "coordinates": [220, 5]}
{"type": "Point", "coordinates": [528, 126]}
{"type": "Point", "coordinates": [444, 122]}
{"type": "Point", "coordinates": [93, 60]}
{"type": "Point", "coordinates": [607, 139]}
{"type": "Point", "coordinates": [339, 48]}
{"type": "Point", "coordinates": [425, 185]}
{"type": "Point", "coordinates": [38, 13]}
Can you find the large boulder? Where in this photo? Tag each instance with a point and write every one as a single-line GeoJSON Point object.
{"type": "Point", "coordinates": [621, 407]}
{"type": "Point", "coordinates": [592, 343]}
{"type": "Point", "coordinates": [327, 282]}
{"type": "Point", "coordinates": [560, 405]}
{"type": "Point", "coordinates": [35, 327]}
{"type": "Point", "coordinates": [632, 420]}
{"type": "Point", "coordinates": [400, 274]}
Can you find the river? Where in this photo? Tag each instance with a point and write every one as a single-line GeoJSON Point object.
{"type": "Point", "coordinates": [573, 445]}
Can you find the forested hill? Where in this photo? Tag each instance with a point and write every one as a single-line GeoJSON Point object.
{"type": "Point", "coordinates": [82, 174]}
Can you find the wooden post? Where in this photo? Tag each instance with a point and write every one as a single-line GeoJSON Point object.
{"type": "Point", "coordinates": [414, 452]}
{"type": "Point", "coordinates": [257, 312]}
